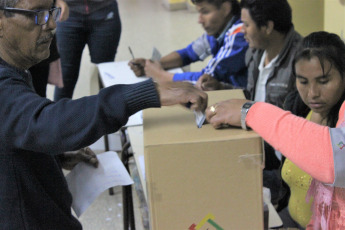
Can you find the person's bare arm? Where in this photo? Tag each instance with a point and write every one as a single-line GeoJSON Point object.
{"type": "Point", "coordinates": [156, 71]}
{"type": "Point", "coordinates": [172, 60]}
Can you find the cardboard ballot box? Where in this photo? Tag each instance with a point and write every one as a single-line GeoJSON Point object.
{"type": "Point", "coordinates": [201, 178]}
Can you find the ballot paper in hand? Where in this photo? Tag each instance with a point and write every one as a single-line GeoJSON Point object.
{"type": "Point", "coordinates": [156, 55]}
{"type": "Point", "coordinates": [86, 183]}
{"type": "Point", "coordinates": [200, 118]}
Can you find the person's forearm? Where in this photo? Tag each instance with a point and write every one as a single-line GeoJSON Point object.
{"type": "Point", "coordinates": [163, 75]}
{"type": "Point", "coordinates": [305, 143]}
{"type": "Point", "coordinates": [224, 85]}
{"type": "Point", "coordinates": [172, 60]}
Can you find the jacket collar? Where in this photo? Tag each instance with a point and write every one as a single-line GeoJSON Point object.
{"type": "Point", "coordinates": [220, 38]}
{"type": "Point", "coordinates": [25, 74]}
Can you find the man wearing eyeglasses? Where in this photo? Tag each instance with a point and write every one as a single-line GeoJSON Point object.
{"type": "Point", "coordinates": [35, 130]}
{"type": "Point", "coordinates": [49, 71]}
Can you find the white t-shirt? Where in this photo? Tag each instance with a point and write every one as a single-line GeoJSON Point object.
{"type": "Point", "coordinates": [264, 72]}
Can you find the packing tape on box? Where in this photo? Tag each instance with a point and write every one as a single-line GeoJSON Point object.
{"type": "Point", "coordinates": [254, 158]}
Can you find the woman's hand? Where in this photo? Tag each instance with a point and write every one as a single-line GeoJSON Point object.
{"type": "Point", "coordinates": [225, 113]}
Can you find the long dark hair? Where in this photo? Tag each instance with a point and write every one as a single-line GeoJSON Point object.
{"type": "Point", "coordinates": [326, 47]}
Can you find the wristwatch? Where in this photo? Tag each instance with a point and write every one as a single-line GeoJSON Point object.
{"type": "Point", "coordinates": [245, 108]}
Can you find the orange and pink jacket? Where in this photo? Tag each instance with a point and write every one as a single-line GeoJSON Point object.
{"type": "Point", "coordinates": [318, 150]}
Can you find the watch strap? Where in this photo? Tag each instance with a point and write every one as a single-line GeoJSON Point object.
{"type": "Point", "coordinates": [245, 108]}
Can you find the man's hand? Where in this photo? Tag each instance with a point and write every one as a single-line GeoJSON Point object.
{"type": "Point", "coordinates": [64, 9]}
{"type": "Point", "coordinates": [155, 70]}
{"type": "Point", "coordinates": [206, 82]}
{"type": "Point", "coordinates": [137, 65]}
{"type": "Point", "coordinates": [72, 158]}
{"type": "Point", "coordinates": [225, 113]}
{"type": "Point", "coordinates": [183, 93]}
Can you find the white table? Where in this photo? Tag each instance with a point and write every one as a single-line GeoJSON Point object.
{"type": "Point", "coordinates": [113, 73]}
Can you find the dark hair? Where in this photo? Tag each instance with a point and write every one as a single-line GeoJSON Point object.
{"type": "Point", "coordinates": [277, 11]}
{"type": "Point", "coordinates": [326, 47]}
{"type": "Point", "coordinates": [235, 5]}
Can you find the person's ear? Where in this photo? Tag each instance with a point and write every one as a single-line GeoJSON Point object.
{"type": "Point", "coordinates": [269, 27]}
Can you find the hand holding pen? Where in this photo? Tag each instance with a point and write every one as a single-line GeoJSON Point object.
{"type": "Point", "coordinates": [137, 64]}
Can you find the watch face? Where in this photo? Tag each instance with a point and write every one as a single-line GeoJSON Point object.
{"type": "Point", "coordinates": [247, 105]}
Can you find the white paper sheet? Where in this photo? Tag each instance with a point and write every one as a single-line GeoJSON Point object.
{"type": "Point", "coordinates": [86, 183]}
{"type": "Point", "coordinates": [114, 73]}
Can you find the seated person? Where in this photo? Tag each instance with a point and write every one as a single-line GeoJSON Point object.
{"type": "Point", "coordinates": [314, 165]}
{"type": "Point", "coordinates": [273, 44]}
{"type": "Point", "coordinates": [222, 39]}
{"type": "Point", "coordinates": [320, 85]}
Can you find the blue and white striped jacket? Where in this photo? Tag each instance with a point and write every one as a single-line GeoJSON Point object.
{"type": "Point", "coordinates": [228, 50]}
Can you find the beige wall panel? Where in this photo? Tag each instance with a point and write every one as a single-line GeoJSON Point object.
{"type": "Point", "coordinates": [308, 15]}
{"type": "Point", "coordinates": [335, 16]}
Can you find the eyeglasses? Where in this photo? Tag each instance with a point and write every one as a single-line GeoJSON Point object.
{"type": "Point", "coordinates": [41, 16]}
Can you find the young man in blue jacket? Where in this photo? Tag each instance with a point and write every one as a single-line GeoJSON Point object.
{"type": "Point", "coordinates": [222, 39]}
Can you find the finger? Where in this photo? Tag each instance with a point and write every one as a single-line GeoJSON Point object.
{"type": "Point", "coordinates": [204, 86]}
{"type": "Point", "coordinates": [93, 157]}
{"type": "Point", "coordinates": [198, 85]}
{"type": "Point", "coordinates": [138, 72]}
{"type": "Point", "coordinates": [199, 103]}
{"type": "Point", "coordinates": [214, 121]}
{"type": "Point", "coordinates": [89, 152]}
{"type": "Point", "coordinates": [209, 114]}
{"type": "Point", "coordinates": [84, 154]}
{"type": "Point", "coordinates": [203, 101]}
{"type": "Point", "coordinates": [94, 162]}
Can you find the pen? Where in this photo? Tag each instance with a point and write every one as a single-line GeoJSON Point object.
{"type": "Point", "coordinates": [130, 51]}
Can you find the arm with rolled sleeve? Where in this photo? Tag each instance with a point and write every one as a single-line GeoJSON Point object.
{"type": "Point", "coordinates": [229, 59]}
{"type": "Point", "coordinates": [198, 50]}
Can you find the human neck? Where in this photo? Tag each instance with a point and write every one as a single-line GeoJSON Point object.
{"type": "Point", "coordinates": [276, 43]}
{"type": "Point", "coordinates": [226, 22]}
{"type": "Point", "coordinates": [13, 62]}
{"type": "Point", "coordinates": [318, 118]}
